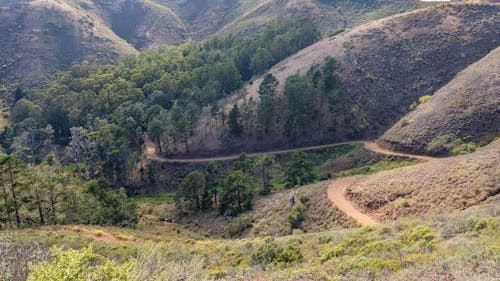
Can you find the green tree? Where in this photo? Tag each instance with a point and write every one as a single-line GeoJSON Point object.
{"type": "Point", "coordinates": [328, 76]}
{"type": "Point", "coordinates": [244, 164]}
{"type": "Point", "coordinates": [213, 173]}
{"type": "Point", "coordinates": [300, 110]}
{"type": "Point", "coordinates": [261, 60]}
{"type": "Point", "coordinates": [264, 167]}
{"type": "Point", "coordinates": [189, 191]}
{"type": "Point", "coordinates": [267, 92]}
{"type": "Point", "coordinates": [299, 170]}
{"type": "Point", "coordinates": [234, 121]}
{"type": "Point", "coordinates": [11, 169]}
{"type": "Point", "coordinates": [110, 206]}
{"type": "Point", "coordinates": [155, 131]}
{"type": "Point", "coordinates": [237, 194]}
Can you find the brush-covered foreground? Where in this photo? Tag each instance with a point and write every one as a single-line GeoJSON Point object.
{"type": "Point", "coordinates": [459, 246]}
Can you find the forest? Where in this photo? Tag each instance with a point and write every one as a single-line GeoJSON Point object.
{"type": "Point", "coordinates": [96, 115]}
{"type": "Point", "coordinates": [79, 139]}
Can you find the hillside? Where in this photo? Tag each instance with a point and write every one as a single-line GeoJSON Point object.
{"type": "Point", "coordinates": [46, 36]}
{"type": "Point", "coordinates": [142, 23]}
{"type": "Point", "coordinates": [330, 16]}
{"type": "Point", "coordinates": [465, 110]}
{"type": "Point", "coordinates": [222, 17]}
{"type": "Point", "coordinates": [385, 66]}
{"type": "Point", "coordinates": [43, 37]}
{"type": "Point", "coordinates": [439, 186]}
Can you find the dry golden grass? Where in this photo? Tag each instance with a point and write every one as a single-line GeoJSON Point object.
{"type": "Point", "coordinates": [442, 185]}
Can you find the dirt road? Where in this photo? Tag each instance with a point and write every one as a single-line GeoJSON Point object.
{"type": "Point", "coordinates": [336, 188]}
{"type": "Point", "coordinates": [336, 194]}
{"type": "Point", "coordinates": [153, 155]}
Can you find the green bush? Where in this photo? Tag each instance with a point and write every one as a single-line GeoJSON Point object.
{"type": "Point", "coordinates": [336, 251]}
{"type": "Point", "coordinates": [266, 253]}
{"type": "Point", "coordinates": [304, 199]}
{"type": "Point", "coordinates": [441, 144]}
{"type": "Point", "coordinates": [297, 216]}
{"type": "Point", "coordinates": [420, 237]}
{"type": "Point", "coordinates": [270, 252]}
{"type": "Point", "coordinates": [424, 99]}
{"type": "Point", "coordinates": [464, 148]}
{"type": "Point", "coordinates": [289, 254]}
{"type": "Point", "coordinates": [239, 225]}
{"type": "Point", "coordinates": [75, 265]}
{"type": "Point", "coordinates": [325, 239]}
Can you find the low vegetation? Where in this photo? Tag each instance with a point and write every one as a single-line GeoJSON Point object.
{"type": "Point", "coordinates": [425, 188]}
{"type": "Point", "coordinates": [466, 244]}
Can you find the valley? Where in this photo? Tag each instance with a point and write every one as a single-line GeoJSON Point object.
{"type": "Point", "coordinates": [249, 140]}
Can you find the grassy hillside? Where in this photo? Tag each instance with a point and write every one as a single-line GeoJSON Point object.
{"type": "Point", "coordinates": [465, 110]}
{"type": "Point", "coordinates": [439, 186]}
{"type": "Point", "coordinates": [385, 66]}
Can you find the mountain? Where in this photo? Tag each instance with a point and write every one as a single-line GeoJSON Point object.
{"type": "Point", "coordinates": [385, 66]}
{"type": "Point", "coordinates": [465, 110]}
{"type": "Point", "coordinates": [42, 37]}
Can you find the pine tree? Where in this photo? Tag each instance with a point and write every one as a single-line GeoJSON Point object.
{"type": "Point", "coordinates": [234, 121]}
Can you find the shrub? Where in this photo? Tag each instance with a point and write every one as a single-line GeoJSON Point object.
{"type": "Point", "coordinates": [266, 253]}
{"type": "Point", "coordinates": [441, 144]}
{"type": "Point", "coordinates": [75, 265]}
{"type": "Point", "coordinates": [464, 148]}
{"type": "Point", "coordinates": [420, 237]}
{"type": "Point", "coordinates": [304, 199]}
{"type": "Point", "coordinates": [270, 252]}
{"type": "Point", "coordinates": [289, 254]}
{"type": "Point", "coordinates": [336, 251]}
{"type": "Point", "coordinates": [325, 239]}
{"type": "Point", "coordinates": [373, 266]}
{"type": "Point", "coordinates": [297, 216]}
{"type": "Point", "coordinates": [404, 122]}
{"type": "Point", "coordinates": [240, 224]}
{"type": "Point", "coordinates": [413, 105]}
{"type": "Point", "coordinates": [84, 265]}
{"type": "Point", "coordinates": [424, 99]}
{"type": "Point", "coordinates": [421, 100]}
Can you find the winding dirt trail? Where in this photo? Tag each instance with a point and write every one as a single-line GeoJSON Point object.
{"type": "Point", "coordinates": [336, 189]}
{"type": "Point", "coordinates": [373, 146]}
{"type": "Point", "coordinates": [336, 194]}
{"type": "Point", "coordinates": [151, 153]}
